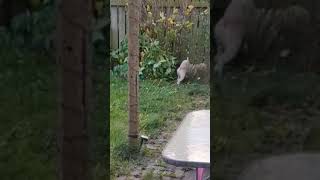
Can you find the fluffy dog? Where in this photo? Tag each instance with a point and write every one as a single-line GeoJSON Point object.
{"type": "Point", "coordinates": [192, 71]}
{"type": "Point", "coordinates": [244, 24]}
{"type": "Point", "coordinates": [230, 31]}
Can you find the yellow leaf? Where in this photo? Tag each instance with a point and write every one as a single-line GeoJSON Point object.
{"type": "Point", "coordinates": [150, 14]}
{"type": "Point", "coordinates": [187, 12]}
{"type": "Point", "coordinates": [170, 20]}
{"type": "Point", "coordinates": [162, 15]}
{"type": "Point", "coordinates": [206, 11]}
{"type": "Point", "coordinates": [141, 55]}
{"type": "Point", "coordinates": [189, 25]}
{"type": "Point", "coordinates": [175, 11]}
{"type": "Point", "coordinates": [148, 8]}
{"type": "Point", "coordinates": [190, 7]}
{"type": "Point", "coordinates": [160, 20]}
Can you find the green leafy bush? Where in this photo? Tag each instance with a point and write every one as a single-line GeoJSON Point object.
{"type": "Point", "coordinates": [120, 55]}
{"type": "Point", "coordinates": [121, 71]}
{"type": "Point", "coordinates": [30, 30]}
{"type": "Point", "coordinates": [155, 62]}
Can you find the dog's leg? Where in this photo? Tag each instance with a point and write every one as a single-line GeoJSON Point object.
{"type": "Point", "coordinates": [231, 43]}
{"type": "Point", "coordinates": [181, 75]}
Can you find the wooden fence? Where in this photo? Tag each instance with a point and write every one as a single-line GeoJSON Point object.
{"type": "Point", "coordinates": [119, 18]}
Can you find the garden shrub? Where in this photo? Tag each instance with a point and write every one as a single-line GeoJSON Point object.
{"type": "Point", "coordinates": [30, 30]}
{"type": "Point", "coordinates": [166, 28]}
{"type": "Point", "coordinates": [173, 30]}
{"type": "Point", "coordinates": [155, 62]}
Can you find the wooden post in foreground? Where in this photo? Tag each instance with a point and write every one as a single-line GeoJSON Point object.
{"type": "Point", "coordinates": [134, 9]}
{"type": "Point", "coordinates": [73, 57]}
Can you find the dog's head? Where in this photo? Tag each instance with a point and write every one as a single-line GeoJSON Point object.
{"type": "Point", "coordinates": [182, 70]}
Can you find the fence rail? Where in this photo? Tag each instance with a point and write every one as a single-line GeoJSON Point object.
{"type": "Point", "coordinates": [166, 3]}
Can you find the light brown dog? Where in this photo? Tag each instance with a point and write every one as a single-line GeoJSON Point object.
{"type": "Point", "coordinates": [192, 71]}
{"type": "Point", "coordinates": [243, 23]}
{"type": "Point", "coordinates": [230, 31]}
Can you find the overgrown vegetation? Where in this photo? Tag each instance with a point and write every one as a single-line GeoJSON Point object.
{"type": "Point", "coordinates": [177, 28]}
{"type": "Point", "coordinates": [166, 28]}
{"type": "Point", "coordinates": [164, 39]}
{"type": "Point", "coordinates": [155, 62]}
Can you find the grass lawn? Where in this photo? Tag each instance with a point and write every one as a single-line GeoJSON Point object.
{"type": "Point", "coordinates": [161, 104]}
{"type": "Point", "coordinates": [28, 118]}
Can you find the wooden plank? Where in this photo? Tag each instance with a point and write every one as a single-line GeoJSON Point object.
{"type": "Point", "coordinates": [114, 28]}
{"type": "Point", "coordinates": [162, 6]}
{"type": "Point", "coordinates": [196, 33]}
{"type": "Point", "coordinates": [205, 26]}
{"type": "Point", "coordinates": [118, 2]}
{"type": "Point", "coordinates": [165, 3]}
{"type": "Point", "coordinates": [200, 32]}
{"type": "Point", "coordinates": [118, 26]}
{"type": "Point", "coordinates": [169, 11]}
{"type": "Point", "coordinates": [194, 20]}
{"type": "Point", "coordinates": [122, 23]}
{"type": "Point", "coordinates": [127, 22]}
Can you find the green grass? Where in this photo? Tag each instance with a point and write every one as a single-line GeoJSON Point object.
{"type": "Point", "coordinates": [160, 103]}
{"type": "Point", "coordinates": [28, 115]}
{"type": "Point", "coordinates": [28, 118]}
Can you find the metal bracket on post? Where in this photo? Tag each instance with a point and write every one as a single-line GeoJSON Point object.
{"type": "Point", "coordinates": [143, 139]}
